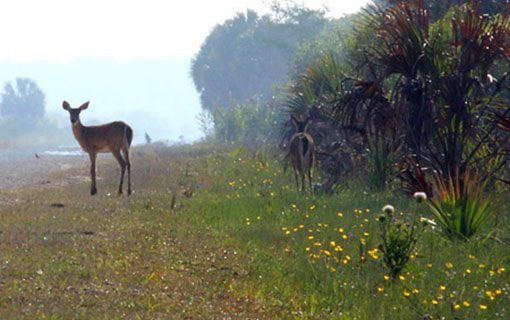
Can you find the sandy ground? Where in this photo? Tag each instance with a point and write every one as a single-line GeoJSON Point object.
{"type": "Point", "coordinates": [22, 168]}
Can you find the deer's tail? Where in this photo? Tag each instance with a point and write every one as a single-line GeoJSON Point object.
{"type": "Point", "coordinates": [128, 134]}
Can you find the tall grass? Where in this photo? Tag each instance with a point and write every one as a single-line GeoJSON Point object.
{"type": "Point", "coordinates": [245, 245]}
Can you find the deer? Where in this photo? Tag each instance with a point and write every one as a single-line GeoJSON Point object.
{"type": "Point", "coordinates": [114, 137]}
{"type": "Point", "coordinates": [302, 152]}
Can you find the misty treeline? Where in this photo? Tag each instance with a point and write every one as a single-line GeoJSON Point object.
{"type": "Point", "coordinates": [403, 88]}
{"type": "Point", "coordinates": [23, 120]}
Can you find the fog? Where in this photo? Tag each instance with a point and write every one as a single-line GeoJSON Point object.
{"type": "Point", "coordinates": [153, 96]}
{"type": "Point", "coordinates": [130, 59]}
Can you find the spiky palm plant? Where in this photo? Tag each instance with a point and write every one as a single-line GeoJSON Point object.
{"type": "Point", "coordinates": [438, 81]}
{"type": "Point", "coordinates": [460, 206]}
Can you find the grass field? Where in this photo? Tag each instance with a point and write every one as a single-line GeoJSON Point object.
{"type": "Point", "coordinates": [217, 234]}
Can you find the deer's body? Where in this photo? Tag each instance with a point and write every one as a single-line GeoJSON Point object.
{"type": "Point", "coordinates": [302, 154]}
{"type": "Point", "coordinates": [91, 137]}
{"type": "Point", "coordinates": [114, 137]}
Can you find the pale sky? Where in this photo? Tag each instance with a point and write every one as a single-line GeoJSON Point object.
{"type": "Point", "coordinates": [64, 30]}
{"type": "Point", "coordinates": [130, 58]}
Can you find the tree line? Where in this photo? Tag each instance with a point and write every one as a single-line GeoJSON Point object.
{"type": "Point", "coordinates": [409, 91]}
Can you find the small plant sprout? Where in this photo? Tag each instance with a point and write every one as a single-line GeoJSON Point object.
{"type": "Point", "coordinates": [420, 197]}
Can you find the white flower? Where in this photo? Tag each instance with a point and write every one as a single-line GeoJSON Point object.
{"type": "Point", "coordinates": [420, 196]}
{"type": "Point", "coordinates": [388, 209]}
{"type": "Point", "coordinates": [428, 221]}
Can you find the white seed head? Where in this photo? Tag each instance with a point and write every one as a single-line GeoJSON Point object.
{"type": "Point", "coordinates": [420, 196]}
{"type": "Point", "coordinates": [388, 209]}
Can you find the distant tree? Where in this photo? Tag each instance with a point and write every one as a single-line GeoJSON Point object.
{"type": "Point", "coordinates": [335, 39]}
{"type": "Point", "coordinates": [242, 59]}
{"type": "Point", "coordinates": [24, 101]}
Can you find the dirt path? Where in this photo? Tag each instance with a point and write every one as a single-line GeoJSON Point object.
{"type": "Point", "coordinates": [109, 257]}
{"type": "Point", "coordinates": [24, 169]}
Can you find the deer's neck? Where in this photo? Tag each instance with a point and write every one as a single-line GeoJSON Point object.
{"type": "Point", "coordinates": [78, 129]}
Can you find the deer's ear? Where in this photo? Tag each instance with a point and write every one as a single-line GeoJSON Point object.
{"type": "Point", "coordinates": [84, 106]}
{"type": "Point", "coordinates": [66, 105]}
{"type": "Point", "coordinates": [293, 120]}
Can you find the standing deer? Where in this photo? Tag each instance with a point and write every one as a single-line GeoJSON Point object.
{"type": "Point", "coordinates": [302, 152]}
{"type": "Point", "coordinates": [114, 137]}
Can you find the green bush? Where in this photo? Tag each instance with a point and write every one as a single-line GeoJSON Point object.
{"type": "Point", "coordinates": [252, 125]}
{"type": "Point", "coordinates": [460, 206]}
{"type": "Point", "coordinates": [398, 241]}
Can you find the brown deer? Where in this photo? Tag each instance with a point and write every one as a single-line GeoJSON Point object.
{"type": "Point", "coordinates": [114, 137]}
{"type": "Point", "coordinates": [302, 152]}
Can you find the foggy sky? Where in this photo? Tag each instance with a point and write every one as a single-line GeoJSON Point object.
{"type": "Point", "coordinates": [130, 58]}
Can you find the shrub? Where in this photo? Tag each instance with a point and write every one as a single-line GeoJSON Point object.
{"type": "Point", "coordinates": [460, 206]}
{"type": "Point", "coordinates": [398, 241]}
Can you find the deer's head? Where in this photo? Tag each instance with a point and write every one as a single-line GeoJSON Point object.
{"type": "Point", "coordinates": [74, 113]}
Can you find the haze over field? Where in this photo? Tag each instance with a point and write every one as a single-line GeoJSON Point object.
{"type": "Point", "coordinates": [131, 59]}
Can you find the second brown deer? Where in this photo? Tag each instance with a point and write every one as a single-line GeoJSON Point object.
{"type": "Point", "coordinates": [302, 152]}
{"type": "Point", "coordinates": [114, 137]}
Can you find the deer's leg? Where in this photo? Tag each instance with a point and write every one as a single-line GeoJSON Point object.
{"type": "Point", "coordinates": [122, 164]}
{"type": "Point", "coordinates": [296, 177]}
{"type": "Point", "coordinates": [125, 151]}
{"type": "Point", "coordinates": [93, 189]}
{"type": "Point", "coordinates": [303, 180]}
{"type": "Point", "coordinates": [310, 178]}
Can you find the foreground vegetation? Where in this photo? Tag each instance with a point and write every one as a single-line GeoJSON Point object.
{"type": "Point", "coordinates": [224, 234]}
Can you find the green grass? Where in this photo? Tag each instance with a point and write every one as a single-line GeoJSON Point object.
{"type": "Point", "coordinates": [236, 248]}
